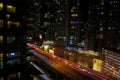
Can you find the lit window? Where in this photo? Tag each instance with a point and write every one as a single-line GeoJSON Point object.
{"type": "Point", "coordinates": [102, 13]}
{"type": "Point", "coordinates": [74, 15]}
{"type": "Point", "coordinates": [11, 8]}
{"type": "Point", "coordinates": [1, 23]}
{"type": "Point", "coordinates": [77, 22]}
{"type": "Point", "coordinates": [9, 23]}
{"type": "Point", "coordinates": [1, 39]}
{"type": "Point", "coordinates": [46, 23]}
{"type": "Point", "coordinates": [59, 11]}
{"type": "Point", "coordinates": [82, 30]}
{"type": "Point", "coordinates": [47, 15]}
{"type": "Point", "coordinates": [109, 28]}
{"type": "Point", "coordinates": [10, 62]}
{"type": "Point", "coordinates": [1, 57]}
{"type": "Point", "coordinates": [61, 19]}
{"type": "Point", "coordinates": [65, 1]}
{"type": "Point", "coordinates": [1, 6]}
{"type": "Point", "coordinates": [102, 3]}
{"type": "Point", "coordinates": [74, 8]}
{"type": "Point", "coordinates": [8, 16]}
{"type": "Point", "coordinates": [73, 27]}
{"type": "Point", "coordinates": [10, 39]}
{"type": "Point", "coordinates": [101, 29]}
{"type": "Point", "coordinates": [110, 14]}
{"type": "Point", "coordinates": [72, 22]}
{"type": "Point", "coordinates": [1, 64]}
{"type": "Point", "coordinates": [17, 24]}
{"type": "Point", "coordinates": [56, 19]}
{"type": "Point", "coordinates": [111, 2]}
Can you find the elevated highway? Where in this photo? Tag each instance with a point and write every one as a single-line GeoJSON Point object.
{"type": "Point", "coordinates": [65, 67]}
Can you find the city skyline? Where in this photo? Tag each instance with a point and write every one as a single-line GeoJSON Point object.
{"type": "Point", "coordinates": [83, 32]}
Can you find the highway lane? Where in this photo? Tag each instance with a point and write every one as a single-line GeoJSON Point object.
{"type": "Point", "coordinates": [62, 68]}
{"type": "Point", "coordinates": [43, 74]}
{"type": "Point", "coordinates": [87, 73]}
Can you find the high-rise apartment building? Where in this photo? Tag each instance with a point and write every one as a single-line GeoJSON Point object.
{"type": "Point", "coordinates": [112, 29]}
{"type": "Point", "coordinates": [33, 18]}
{"type": "Point", "coordinates": [60, 22]}
{"type": "Point", "coordinates": [47, 19]}
{"type": "Point", "coordinates": [103, 24]}
{"type": "Point", "coordinates": [67, 23]}
{"type": "Point", "coordinates": [104, 32]}
{"type": "Point", "coordinates": [73, 23]}
{"type": "Point", "coordinates": [12, 36]}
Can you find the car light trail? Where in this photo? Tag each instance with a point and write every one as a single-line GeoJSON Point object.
{"type": "Point", "coordinates": [70, 63]}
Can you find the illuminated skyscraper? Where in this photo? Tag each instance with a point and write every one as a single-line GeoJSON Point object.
{"type": "Point", "coordinates": [60, 21]}
{"type": "Point", "coordinates": [112, 29]}
{"type": "Point", "coordinates": [103, 24]}
{"type": "Point", "coordinates": [47, 19]}
{"type": "Point", "coordinates": [67, 23]}
{"type": "Point", "coordinates": [33, 18]}
{"type": "Point", "coordinates": [12, 35]}
{"type": "Point", "coordinates": [74, 23]}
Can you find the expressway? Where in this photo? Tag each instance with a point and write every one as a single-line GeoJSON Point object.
{"type": "Point", "coordinates": [66, 67]}
{"type": "Point", "coordinates": [60, 67]}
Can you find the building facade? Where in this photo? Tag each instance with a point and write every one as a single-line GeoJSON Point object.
{"type": "Point", "coordinates": [59, 21]}
{"type": "Point", "coordinates": [12, 37]}
{"type": "Point", "coordinates": [67, 23]}
{"type": "Point", "coordinates": [103, 24]}
{"type": "Point", "coordinates": [112, 63]}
